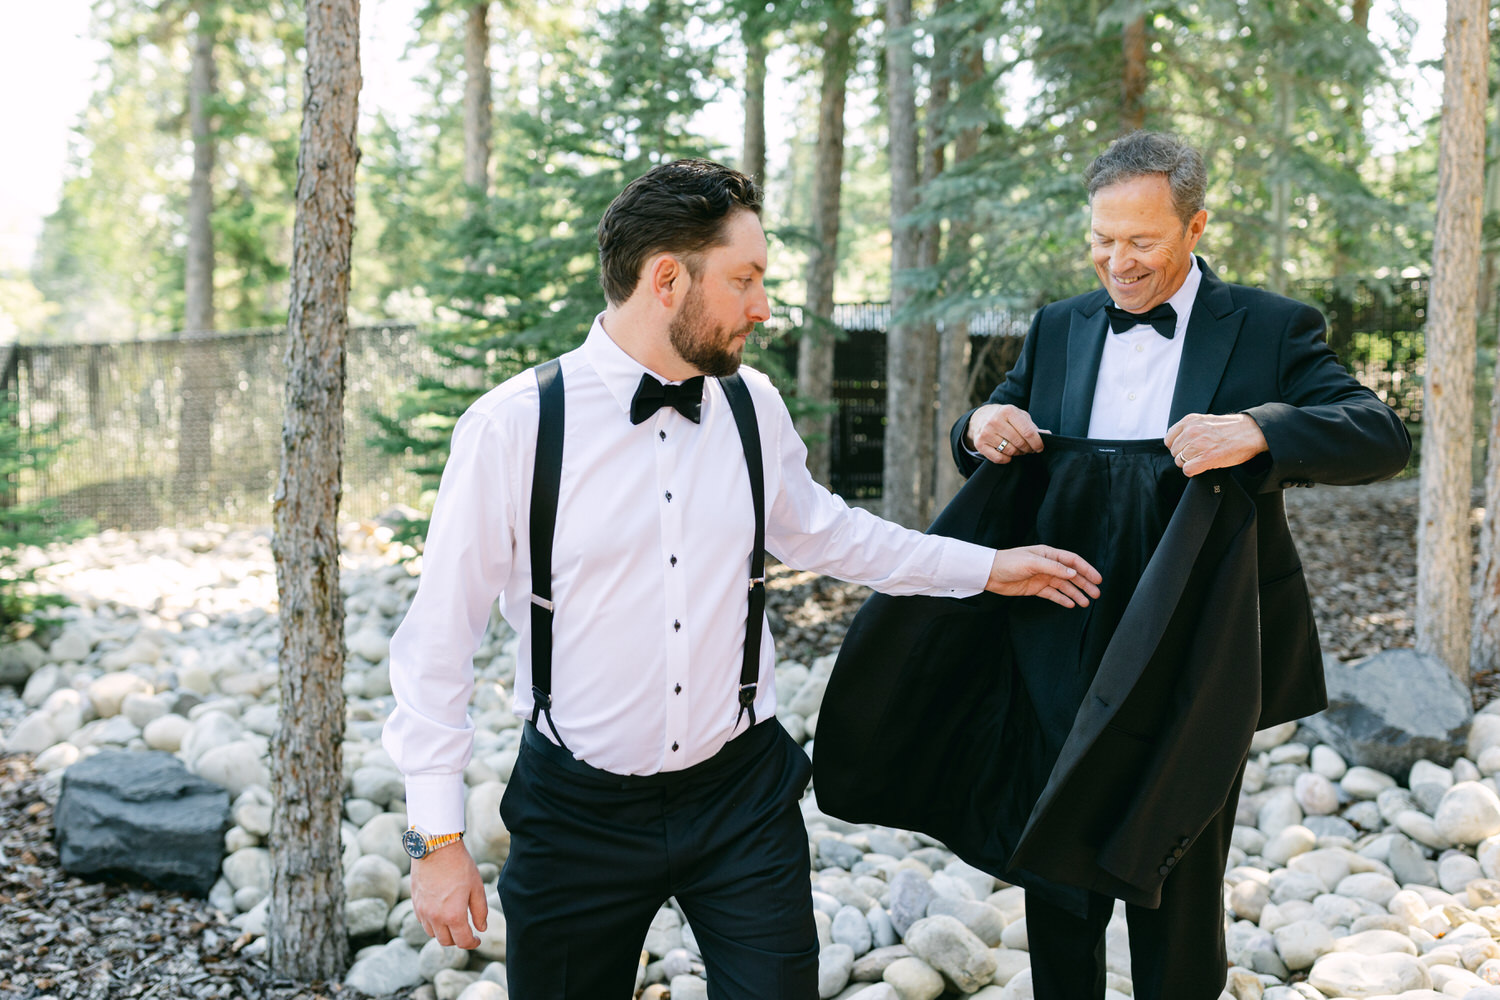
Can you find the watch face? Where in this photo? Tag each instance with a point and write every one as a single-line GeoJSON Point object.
{"type": "Point", "coordinates": [415, 844]}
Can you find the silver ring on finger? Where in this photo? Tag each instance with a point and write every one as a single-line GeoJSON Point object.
{"type": "Point", "coordinates": [1004, 444]}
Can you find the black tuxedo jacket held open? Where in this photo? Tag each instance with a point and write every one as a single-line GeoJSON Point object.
{"type": "Point", "coordinates": [922, 726]}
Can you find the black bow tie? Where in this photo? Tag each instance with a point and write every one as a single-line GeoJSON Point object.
{"type": "Point", "coordinates": [651, 395]}
{"type": "Point", "coordinates": [1163, 319]}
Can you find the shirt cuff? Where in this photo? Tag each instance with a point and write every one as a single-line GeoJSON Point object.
{"type": "Point", "coordinates": [967, 566]}
{"type": "Point", "coordinates": [435, 802]}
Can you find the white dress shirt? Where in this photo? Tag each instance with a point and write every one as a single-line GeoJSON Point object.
{"type": "Point", "coordinates": [1138, 374]}
{"type": "Point", "coordinates": [651, 563]}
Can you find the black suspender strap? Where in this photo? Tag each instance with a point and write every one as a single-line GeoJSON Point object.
{"type": "Point", "coordinates": [545, 481]}
{"type": "Point", "coordinates": [743, 408]}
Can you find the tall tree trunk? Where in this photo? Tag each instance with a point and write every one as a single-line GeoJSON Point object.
{"type": "Point", "coordinates": [1485, 653]}
{"type": "Point", "coordinates": [1489, 267]}
{"type": "Point", "coordinates": [953, 347]}
{"type": "Point", "coordinates": [200, 370]}
{"type": "Point", "coordinates": [1133, 79]}
{"type": "Point", "coordinates": [930, 248]}
{"type": "Point", "coordinates": [308, 940]}
{"type": "Point", "coordinates": [478, 124]}
{"type": "Point", "coordinates": [1347, 238]}
{"type": "Point", "coordinates": [815, 352]}
{"type": "Point", "coordinates": [1281, 183]}
{"type": "Point", "coordinates": [1443, 550]}
{"type": "Point", "coordinates": [202, 88]}
{"type": "Point", "coordinates": [753, 152]}
{"type": "Point", "coordinates": [907, 363]}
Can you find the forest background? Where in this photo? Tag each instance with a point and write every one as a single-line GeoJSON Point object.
{"type": "Point", "coordinates": [515, 123]}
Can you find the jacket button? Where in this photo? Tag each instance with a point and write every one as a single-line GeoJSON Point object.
{"type": "Point", "coordinates": [1176, 852]}
{"type": "Point", "coordinates": [1164, 870]}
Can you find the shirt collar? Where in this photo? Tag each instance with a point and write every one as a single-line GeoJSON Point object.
{"type": "Point", "coordinates": [620, 373]}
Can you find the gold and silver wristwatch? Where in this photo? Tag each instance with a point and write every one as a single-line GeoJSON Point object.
{"type": "Point", "coordinates": [419, 843]}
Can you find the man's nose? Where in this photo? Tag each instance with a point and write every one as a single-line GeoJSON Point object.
{"type": "Point", "coordinates": [760, 307]}
{"type": "Point", "coordinates": [1121, 257]}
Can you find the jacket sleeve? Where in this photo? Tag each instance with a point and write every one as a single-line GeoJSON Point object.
{"type": "Point", "coordinates": [1326, 427]}
{"type": "Point", "coordinates": [1016, 390]}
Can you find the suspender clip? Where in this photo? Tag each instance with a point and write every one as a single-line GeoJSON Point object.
{"type": "Point", "coordinates": [542, 700]}
{"type": "Point", "coordinates": [541, 602]}
{"type": "Point", "coordinates": [757, 581]}
{"type": "Point", "coordinates": [747, 695]}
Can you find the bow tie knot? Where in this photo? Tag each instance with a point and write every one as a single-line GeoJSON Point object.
{"type": "Point", "coordinates": [686, 398]}
{"type": "Point", "coordinates": [1163, 319]}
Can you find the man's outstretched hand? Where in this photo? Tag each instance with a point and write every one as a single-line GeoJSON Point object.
{"type": "Point", "coordinates": [446, 893]}
{"type": "Point", "coordinates": [1060, 576]}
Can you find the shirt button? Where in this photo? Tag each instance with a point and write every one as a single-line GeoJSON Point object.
{"type": "Point", "coordinates": [677, 689]}
{"type": "Point", "coordinates": [674, 560]}
{"type": "Point", "coordinates": [663, 434]}
{"type": "Point", "coordinates": [1138, 349]}
{"type": "Point", "coordinates": [1131, 396]}
{"type": "Point", "coordinates": [677, 626]}
{"type": "Point", "coordinates": [674, 746]}
{"type": "Point", "coordinates": [669, 492]}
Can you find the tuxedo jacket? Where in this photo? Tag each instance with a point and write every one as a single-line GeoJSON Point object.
{"type": "Point", "coordinates": [939, 711]}
{"type": "Point", "coordinates": [1247, 351]}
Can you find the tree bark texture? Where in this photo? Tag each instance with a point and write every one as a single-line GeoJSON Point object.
{"type": "Point", "coordinates": [202, 87]}
{"type": "Point", "coordinates": [200, 369]}
{"type": "Point", "coordinates": [1281, 185]}
{"type": "Point", "coordinates": [1348, 239]}
{"type": "Point", "coordinates": [907, 361]}
{"type": "Point", "coordinates": [753, 151]}
{"type": "Point", "coordinates": [1443, 552]}
{"type": "Point", "coordinates": [307, 932]}
{"type": "Point", "coordinates": [815, 353]}
{"type": "Point", "coordinates": [1133, 78]}
{"type": "Point", "coordinates": [930, 250]}
{"type": "Point", "coordinates": [478, 115]}
{"type": "Point", "coordinates": [953, 347]}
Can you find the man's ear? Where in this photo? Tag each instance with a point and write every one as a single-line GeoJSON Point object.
{"type": "Point", "coordinates": [667, 279]}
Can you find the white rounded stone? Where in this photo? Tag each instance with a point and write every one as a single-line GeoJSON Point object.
{"type": "Point", "coordinates": [1316, 794]}
{"type": "Point", "coordinates": [1327, 762]}
{"type": "Point", "coordinates": [1468, 813]}
{"type": "Point", "coordinates": [1365, 782]}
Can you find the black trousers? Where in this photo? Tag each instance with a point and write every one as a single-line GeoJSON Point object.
{"type": "Point", "coordinates": [594, 855]}
{"type": "Point", "coordinates": [1176, 952]}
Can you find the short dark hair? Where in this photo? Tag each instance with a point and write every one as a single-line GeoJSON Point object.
{"type": "Point", "coordinates": [1140, 154]}
{"type": "Point", "coordinates": [678, 208]}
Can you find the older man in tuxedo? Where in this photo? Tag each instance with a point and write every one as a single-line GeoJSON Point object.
{"type": "Point", "coordinates": [1229, 377]}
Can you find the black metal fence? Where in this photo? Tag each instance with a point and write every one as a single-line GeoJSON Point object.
{"type": "Point", "coordinates": [178, 432]}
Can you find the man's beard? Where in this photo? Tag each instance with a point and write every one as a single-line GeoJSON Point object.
{"type": "Point", "coordinates": [705, 347]}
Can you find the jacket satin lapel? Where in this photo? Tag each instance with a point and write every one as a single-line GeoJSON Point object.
{"type": "Point", "coordinates": [1085, 345]}
{"type": "Point", "coordinates": [1213, 327]}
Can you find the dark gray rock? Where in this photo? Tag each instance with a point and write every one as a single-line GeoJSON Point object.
{"type": "Point", "coordinates": [131, 815]}
{"type": "Point", "coordinates": [1392, 709]}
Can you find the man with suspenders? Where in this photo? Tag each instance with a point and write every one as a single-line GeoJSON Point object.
{"type": "Point", "coordinates": [618, 502]}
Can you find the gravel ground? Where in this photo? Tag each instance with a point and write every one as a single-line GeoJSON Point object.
{"type": "Point", "coordinates": [61, 937]}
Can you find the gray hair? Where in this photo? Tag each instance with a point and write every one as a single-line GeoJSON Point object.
{"type": "Point", "coordinates": [1141, 154]}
